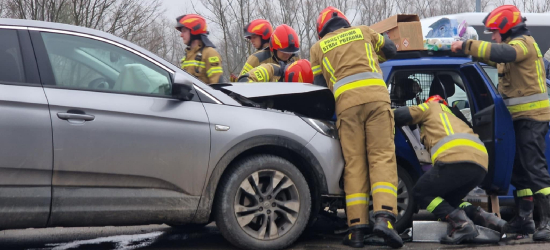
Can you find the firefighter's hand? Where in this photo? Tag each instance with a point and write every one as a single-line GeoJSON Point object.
{"type": "Point", "coordinates": [233, 78]}
{"type": "Point", "coordinates": [456, 46]}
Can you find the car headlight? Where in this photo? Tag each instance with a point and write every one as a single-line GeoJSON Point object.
{"type": "Point", "coordinates": [324, 127]}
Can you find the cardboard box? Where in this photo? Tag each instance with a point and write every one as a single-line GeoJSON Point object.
{"type": "Point", "coordinates": [404, 30]}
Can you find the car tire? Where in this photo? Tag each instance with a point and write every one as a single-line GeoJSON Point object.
{"type": "Point", "coordinates": [405, 202]}
{"type": "Point", "coordinates": [405, 197]}
{"type": "Point", "coordinates": [249, 217]}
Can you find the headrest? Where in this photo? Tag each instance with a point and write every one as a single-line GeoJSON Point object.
{"type": "Point", "coordinates": [448, 84]}
{"type": "Point", "coordinates": [405, 89]}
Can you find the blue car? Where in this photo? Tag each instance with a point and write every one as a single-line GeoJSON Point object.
{"type": "Point", "coordinates": [469, 87]}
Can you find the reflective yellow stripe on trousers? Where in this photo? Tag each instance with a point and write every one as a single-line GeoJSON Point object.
{"type": "Point", "coordinates": [356, 199]}
{"type": "Point", "coordinates": [384, 187]}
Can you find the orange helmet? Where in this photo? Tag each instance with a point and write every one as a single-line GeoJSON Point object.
{"type": "Point", "coordinates": [503, 19]}
{"type": "Point", "coordinates": [284, 39]}
{"type": "Point", "coordinates": [299, 71]}
{"type": "Point", "coordinates": [327, 15]}
{"type": "Point", "coordinates": [194, 22]}
{"type": "Point", "coordinates": [260, 27]}
{"type": "Point", "coordinates": [437, 98]}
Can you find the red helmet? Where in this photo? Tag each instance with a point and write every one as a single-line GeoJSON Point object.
{"type": "Point", "coordinates": [326, 15]}
{"type": "Point", "coordinates": [284, 39]}
{"type": "Point", "coordinates": [258, 27]}
{"type": "Point", "coordinates": [503, 18]}
{"type": "Point", "coordinates": [194, 22]}
{"type": "Point", "coordinates": [437, 98]}
{"type": "Point", "coordinates": [299, 71]}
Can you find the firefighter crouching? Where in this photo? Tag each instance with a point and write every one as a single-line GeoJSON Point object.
{"type": "Point", "coordinates": [345, 59]}
{"type": "Point", "coordinates": [283, 46]}
{"type": "Point", "coordinates": [201, 59]}
{"type": "Point", "coordinates": [299, 71]}
{"type": "Point", "coordinates": [523, 86]}
{"type": "Point", "coordinates": [460, 163]}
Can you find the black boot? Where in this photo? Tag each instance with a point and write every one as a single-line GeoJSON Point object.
{"type": "Point", "coordinates": [355, 238]}
{"type": "Point", "coordinates": [522, 223]}
{"type": "Point", "coordinates": [542, 207]}
{"type": "Point", "coordinates": [383, 227]}
{"type": "Point", "coordinates": [460, 228]}
{"type": "Point", "coordinates": [485, 219]}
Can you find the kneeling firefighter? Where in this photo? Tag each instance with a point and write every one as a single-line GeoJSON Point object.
{"type": "Point", "coordinates": [460, 163]}
{"type": "Point", "coordinates": [345, 59]}
{"type": "Point", "coordinates": [522, 84]}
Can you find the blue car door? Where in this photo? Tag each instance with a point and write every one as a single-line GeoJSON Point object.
{"type": "Point", "coordinates": [493, 123]}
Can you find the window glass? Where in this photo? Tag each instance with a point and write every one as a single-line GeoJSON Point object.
{"type": "Point", "coordinates": [11, 62]}
{"type": "Point", "coordinates": [408, 88]}
{"type": "Point", "coordinates": [492, 73]}
{"type": "Point", "coordinates": [84, 63]}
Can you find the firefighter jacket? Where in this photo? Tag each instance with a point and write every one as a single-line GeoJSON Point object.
{"type": "Point", "coordinates": [264, 56]}
{"type": "Point", "coordinates": [521, 74]}
{"type": "Point", "coordinates": [267, 72]}
{"type": "Point", "coordinates": [346, 61]}
{"type": "Point", "coordinates": [448, 139]}
{"type": "Point", "coordinates": [204, 63]}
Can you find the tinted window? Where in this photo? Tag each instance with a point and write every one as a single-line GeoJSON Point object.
{"type": "Point", "coordinates": [85, 63]}
{"type": "Point", "coordinates": [479, 89]}
{"type": "Point", "coordinates": [11, 63]}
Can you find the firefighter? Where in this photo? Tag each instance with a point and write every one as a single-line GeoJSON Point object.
{"type": "Point", "coordinates": [283, 45]}
{"type": "Point", "coordinates": [522, 84]}
{"type": "Point", "coordinates": [258, 33]}
{"type": "Point", "coordinates": [345, 59]}
{"type": "Point", "coordinates": [460, 163]}
{"type": "Point", "coordinates": [201, 58]}
{"type": "Point", "coordinates": [547, 63]}
{"type": "Point", "coordinates": [299, 71]}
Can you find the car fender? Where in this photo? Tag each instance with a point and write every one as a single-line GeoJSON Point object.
{"type": "Point", "coordinates": [207, 198]}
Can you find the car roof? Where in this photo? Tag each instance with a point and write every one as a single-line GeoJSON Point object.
{"type": "Point", "coordinates": [436, 60]}
{"type": "Point", "coordinates": [6, 22]}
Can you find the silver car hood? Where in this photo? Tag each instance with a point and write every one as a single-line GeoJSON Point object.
{"type": "Point", "coordinates": [301, 98]}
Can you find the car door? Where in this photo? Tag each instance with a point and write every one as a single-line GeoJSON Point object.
{"type": "Point", "coordinates": [125, 150]}
{"type": "Point", "coordinates": [493, 123]}
{"type": "Point", "coordinates": [25, 135]}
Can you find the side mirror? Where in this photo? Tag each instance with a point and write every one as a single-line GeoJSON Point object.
{"type": "Point", "coordinates": [461, 104]}
{"type": "Point", "coordinates": [181, 87]}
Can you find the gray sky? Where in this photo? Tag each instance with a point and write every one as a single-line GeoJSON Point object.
{"type": "Point", "coordinates": [175, 8]}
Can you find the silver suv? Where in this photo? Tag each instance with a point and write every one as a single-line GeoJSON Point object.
{"type": "Point", "coordinates": [97, 131]}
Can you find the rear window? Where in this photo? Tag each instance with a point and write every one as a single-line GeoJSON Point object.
{"type": "Point", "coordinates": [11, 63]}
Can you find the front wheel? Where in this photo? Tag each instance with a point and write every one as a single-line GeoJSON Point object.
{"type": "Point", "coordinates": [263, 202]}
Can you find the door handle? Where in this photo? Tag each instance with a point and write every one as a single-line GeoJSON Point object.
{"type": "Point", "coordinates": [67, 116]}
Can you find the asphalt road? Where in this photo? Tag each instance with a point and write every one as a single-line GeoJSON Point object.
{"type": "Point", "coordinates": [165, 237]}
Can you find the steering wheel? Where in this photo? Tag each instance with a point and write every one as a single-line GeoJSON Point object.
{"type": "Point", "coordinates": [99, 83]}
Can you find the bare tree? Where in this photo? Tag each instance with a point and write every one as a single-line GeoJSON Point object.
{"type": "Point", "coordinates": [138, 21]}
